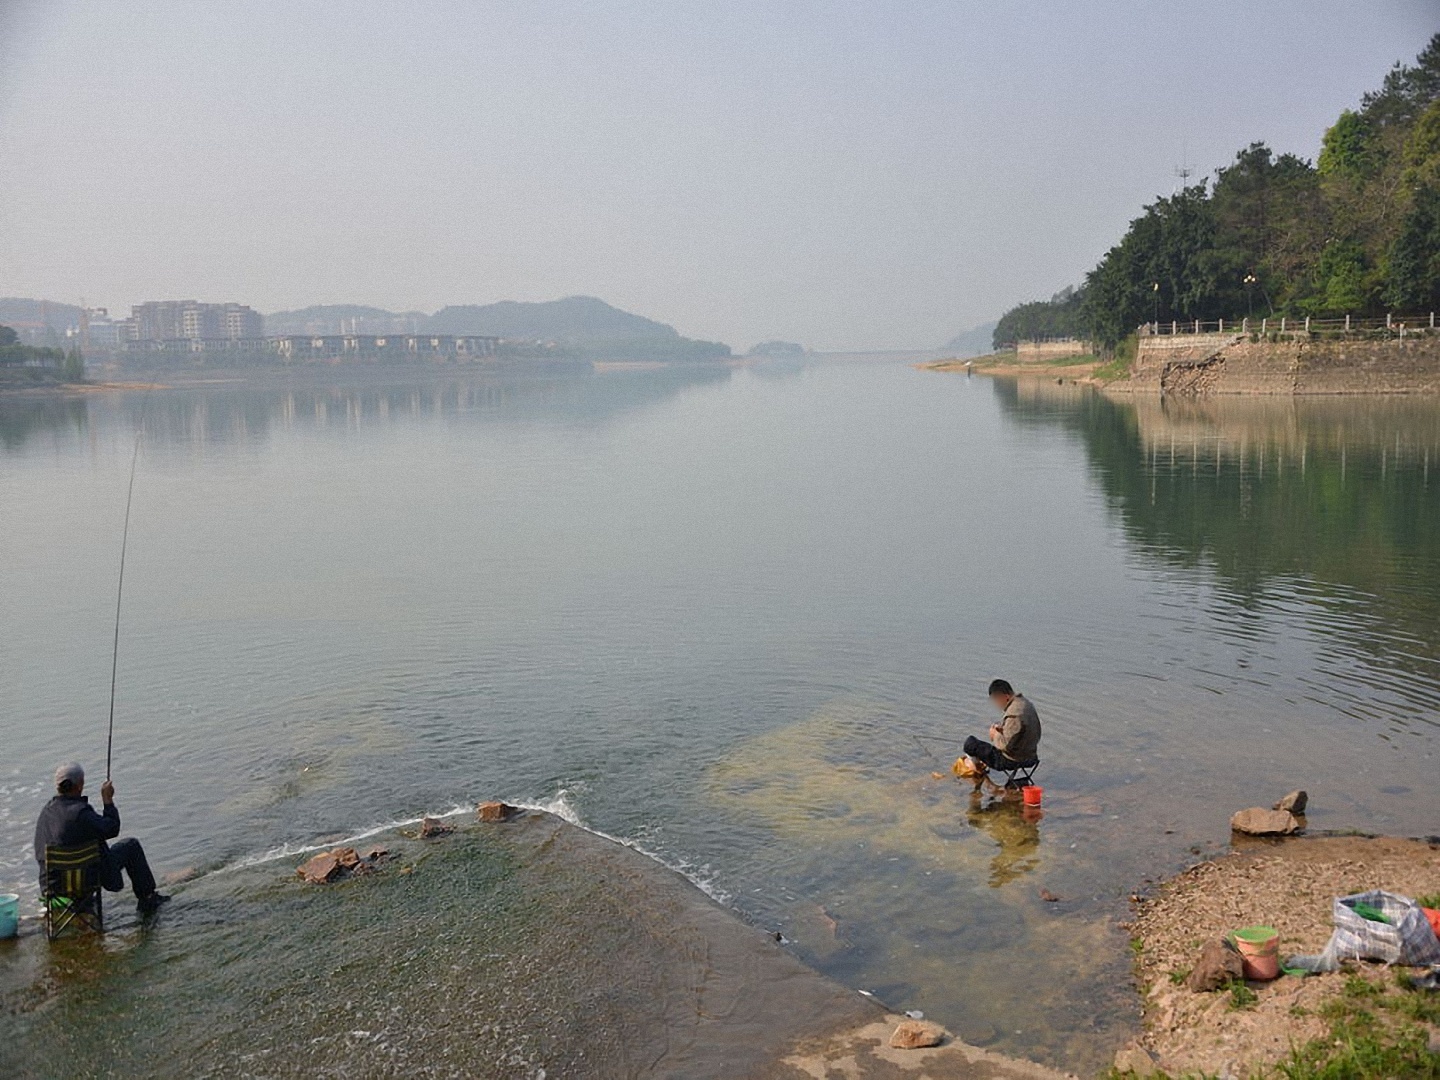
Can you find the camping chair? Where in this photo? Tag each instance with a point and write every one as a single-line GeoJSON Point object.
{"type": "Point", "coordinates": [72, 888]}
{"type": "Point", "coordinates": [1018, 774]}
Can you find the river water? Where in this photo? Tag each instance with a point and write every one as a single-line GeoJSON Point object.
{"type": "Point", "coordinates": [740, 616]}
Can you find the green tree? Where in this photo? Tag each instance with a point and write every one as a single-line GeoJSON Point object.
{"type": "Point", "coordinates": [1058, 317]}
{"type": "Point", "coordinates": [1349, 147]}
{"type": "Point", "coordinates": [73, 366]}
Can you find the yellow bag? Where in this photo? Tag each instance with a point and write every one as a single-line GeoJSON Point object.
{"type": "Point", "coordinates": [964, 767]}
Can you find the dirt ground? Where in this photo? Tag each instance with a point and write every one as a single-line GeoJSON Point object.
{"type": "Point", "coordinates": [1287, 884]}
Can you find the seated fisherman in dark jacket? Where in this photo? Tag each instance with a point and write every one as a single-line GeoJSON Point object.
{"type": "Point", "coordinates": [68, 820]}
{"type": "Point", "coordinates": [1013, 741]}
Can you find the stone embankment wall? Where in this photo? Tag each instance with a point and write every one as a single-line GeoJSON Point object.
{"type": "Point", "coordinates": [1197, 364]}
{"type": "Point", "coordinates": [1027, 352]}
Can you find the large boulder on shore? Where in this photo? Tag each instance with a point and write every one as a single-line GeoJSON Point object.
{"type": "Point", "coordinates": [1219, 964]}
{"type": "Point", "coordinates": [494, 811]}
{"type": "Point", "coordinates": [431, 826]}
{"type": "Point", "coordinates": [1257, 821]}
{"type": "Point", "coordinates": [916, 1034]}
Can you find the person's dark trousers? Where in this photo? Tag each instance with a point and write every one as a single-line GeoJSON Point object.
{"type": "Point", "coordinates": [129, 856]}
{"type": "Point", "coordinates": [981, 751]}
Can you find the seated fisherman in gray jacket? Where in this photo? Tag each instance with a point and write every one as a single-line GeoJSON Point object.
{"type": "Point", "coordinates": [69, 820]}
{"type": "Point", "coordinates": [1015, 740]}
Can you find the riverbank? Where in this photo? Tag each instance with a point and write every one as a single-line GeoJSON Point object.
{"type": "Point", "coordinates": [1294, 364]}
{"type": "Point", "coordinates": [1210, 365]}
{"type": "Point", "coordinates": [1250, 1029]}
{"type": "Point", "coordinates": [522, 949]}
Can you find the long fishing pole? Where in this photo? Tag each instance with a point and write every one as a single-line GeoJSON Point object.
{"type": "Point", "coordinates": [119, 595]}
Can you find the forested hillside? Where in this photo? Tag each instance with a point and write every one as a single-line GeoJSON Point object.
{"type": "Point", "coordinates": [1356, 232]}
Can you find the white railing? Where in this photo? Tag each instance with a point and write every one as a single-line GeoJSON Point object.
{"type": "Point", "coordinates": [1390, 325]}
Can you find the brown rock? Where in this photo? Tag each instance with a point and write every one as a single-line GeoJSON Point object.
{"type": "Point", "coordinates": [1293, 803]}
{"type": "Point", "coordinates": [320, 869]}
{"type": "Point", "coordinates": [916, 1034]}
{"type": "Point", "coordinates": [1049, 897]}
{"type": "Point", "coordinates": [1257, 821]}
{"type": "Point", "coordinates": [346, 857]}
{"type": "Point", "coordinates": [431, 826]}
{"type": "Point", "coordinates": [1136, 1060]}
{"type": "Point", "coordinates": [374, 853]}
{"type": "Point", "coordinates": [1219, 964]}
{"type": "Point", "coordinates": [494, 811]}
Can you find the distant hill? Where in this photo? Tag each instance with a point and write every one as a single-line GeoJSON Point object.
{"type": "Point", "coordinates": [575, 325]}
{"type": "Point", "coordinates": [973, 342]}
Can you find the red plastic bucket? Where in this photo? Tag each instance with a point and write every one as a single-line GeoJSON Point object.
{"type": "Point", "coordinates": [1033, 794]}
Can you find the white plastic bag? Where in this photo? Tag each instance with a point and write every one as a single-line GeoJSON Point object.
{"type": "Point", "coordinates": [1406, 939]}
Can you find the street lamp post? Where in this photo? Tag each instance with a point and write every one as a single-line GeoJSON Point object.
{"type": "Point", "coordinates": [1250, 280]}
{"type": "Point", "coordinates": [1155, 293]}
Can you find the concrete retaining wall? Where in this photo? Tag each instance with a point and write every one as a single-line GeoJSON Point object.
{"type": "Point", "coordinates": [1231, 364]}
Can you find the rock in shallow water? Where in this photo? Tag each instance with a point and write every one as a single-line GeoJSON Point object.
{"type": "Point", "coordinates": [1257, 821]}
{"type": "Point", "coordinates": [915, 1034]}
{"type": "Point", "coordinates": [494, 811]}
{"type": "Point", "coordinates": [434, 827]}
{"type": "Point", "coordinates": [320, 869]}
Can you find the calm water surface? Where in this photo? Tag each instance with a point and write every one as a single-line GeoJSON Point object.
{"type": "Point", "coordinates": [740, 616]}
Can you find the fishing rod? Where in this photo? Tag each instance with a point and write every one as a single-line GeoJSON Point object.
{"type": "Point", "coordinates": [945, 739]}
{"type": "Point", "coordinates": [119, 595]}
{"type": "Point", "coordinates": [926, 750]}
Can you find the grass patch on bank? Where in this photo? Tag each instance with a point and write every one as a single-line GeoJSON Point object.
{"type": "Point", "coordinates": [1376, 1030]}
{"type": "Point", "coordinates": [1119, 365]}
{"type": "Point", "coordinates": [1114, 369]}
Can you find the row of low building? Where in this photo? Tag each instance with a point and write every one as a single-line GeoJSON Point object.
{"type": "Point", "coordinates": [177, 328]}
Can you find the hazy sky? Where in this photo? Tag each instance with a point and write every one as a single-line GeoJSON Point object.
{"type": "Point", "coordinates": [840, 174]}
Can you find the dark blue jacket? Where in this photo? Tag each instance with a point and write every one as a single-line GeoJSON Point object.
{"type": "Point", "coordinates": [70, 819]}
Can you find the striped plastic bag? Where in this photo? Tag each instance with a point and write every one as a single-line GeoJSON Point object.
{"type": "Point", "coordinates": [1401, 934]}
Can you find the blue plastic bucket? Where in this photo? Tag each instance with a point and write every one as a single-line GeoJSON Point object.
{"type": "Point", "coordinates": [9, 915]}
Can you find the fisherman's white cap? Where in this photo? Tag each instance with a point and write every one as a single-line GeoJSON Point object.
{"type": "Point", "coordinates": [70, 772]}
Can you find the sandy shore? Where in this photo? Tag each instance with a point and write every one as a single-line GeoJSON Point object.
{"type": "Point", "coordinates": [1065, 369]}
{"type": "Point", "coordinates": [1286, 884]}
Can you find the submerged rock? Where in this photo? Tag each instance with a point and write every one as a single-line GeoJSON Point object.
{"type": "Point", "coordinates": [494, 811]}
{"type": "Point", "coordinates": [1219, 964]}
{"type": "Point", "coordinates": [916, 1034]}
{"type": "Point", "coordinates": [321, 868]}
{"type": "Point", "coordinates": [1294, 803]}
{"type": "Point", "coordinates": [1257, 821]}
{"type": "Point", "coordinates": [434, 827]}
{"type": "Point", "coordinates": [347, 857]}
{"type": "Point", "coordinates": [374, 853]}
